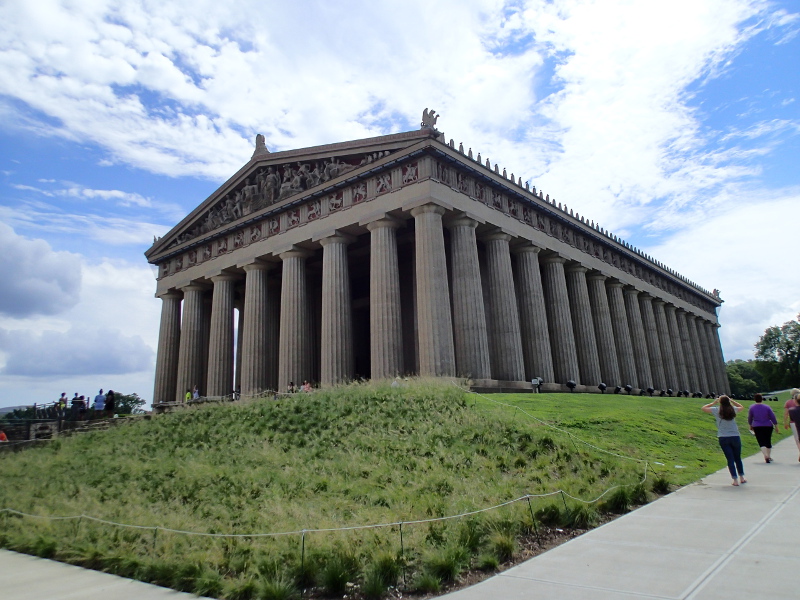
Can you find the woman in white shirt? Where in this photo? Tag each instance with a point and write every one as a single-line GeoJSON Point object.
{"type": "Point", "coordinates": [728, 434]}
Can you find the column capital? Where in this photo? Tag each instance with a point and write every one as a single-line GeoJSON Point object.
{"type": "Point", "coordinates": [575, 268]}
{"type": "Point", "coordinates": [552, 259]}
{"type": "Point", "coordinates": [461, 220]}
{"type": "Point", "coordinates": [596, 276]}
{"type": "Point", "coordinates": [614, 283]}
{"type": "Point", "coordinates": [629, 290]}
{"type": "Point", "coordinates": [193, 287]}
{"type": "Point", "coordinates": [495, 235]}
{"type": "Point", "coordinates": [659, 302]}
{"type": "Point", "coordinates": [256, 266]}
{"type": "Point", "coordinates": [645, 296]}
{"type": "Point", "coordinates": [170, 295]}
{"type": "Point", "coordinates": [224, 277]}
{"type": "Point", "coordinates": [295, 252]}
{"type": "Point", "coordinates": [336, 238]}
{"type": "Point", "coordinates": [428, 208]}
{"type": "Point", "coordinates": [386, 221]}
{"type": "Point", "coordinates": [525, 248]}
{"type": "Point", "coordinates": [669, 306]}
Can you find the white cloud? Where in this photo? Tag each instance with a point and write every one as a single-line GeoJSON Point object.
{"type": "Point", "coordinates": [36, 279]}
{"type": "Point", "coordinates": [743, 250]}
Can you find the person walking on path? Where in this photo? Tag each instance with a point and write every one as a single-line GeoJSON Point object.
{"type": "Point", "coordinates": [728, 434]}
{"type": "Point", "coordinates": [794, 414]}
{"type": "Point", "coordinates": [762, 421]}
{"type": "Point", "coordinates": [792, 403]}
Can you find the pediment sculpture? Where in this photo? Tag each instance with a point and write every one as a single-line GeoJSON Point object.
{"type": "Point", "coordinates": [270, 185]}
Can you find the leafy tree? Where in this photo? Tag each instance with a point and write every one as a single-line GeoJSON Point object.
{"type": "Point", "coordinates": [128, 404]}
{"type": "Point", "coordinates": [778, 355]}
{"type": "Point", "coordinates": [745, 379]}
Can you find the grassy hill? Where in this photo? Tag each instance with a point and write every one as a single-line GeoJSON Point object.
{"type": "Point", "coordinates": [360, 455]}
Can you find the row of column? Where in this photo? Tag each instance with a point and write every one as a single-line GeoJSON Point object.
{"type": "Point", "coordinates": [537, 316]}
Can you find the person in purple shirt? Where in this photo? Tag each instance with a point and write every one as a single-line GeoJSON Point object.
{"type": "Point", "coordinates": [762, 422]}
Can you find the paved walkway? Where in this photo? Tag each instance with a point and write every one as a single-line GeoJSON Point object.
{"type": "Point", "coordinates": [707, 541]}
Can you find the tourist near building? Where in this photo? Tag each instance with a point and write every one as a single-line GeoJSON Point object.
{"type": "Point", "coordinates": [405, 254]}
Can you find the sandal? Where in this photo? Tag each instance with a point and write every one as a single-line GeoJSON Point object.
{"type": "Point", "coordinates": [735, 482]}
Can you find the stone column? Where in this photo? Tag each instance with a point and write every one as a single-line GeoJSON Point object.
{"type": "Point", "coordinates": [220, 345]}
{"type": "Point", "coordinates": [709, 356]}
{"type": "Point", "coordinates": [169, 338]}
{"type": "Point", "coordinates": [622, 334]}
{"type": "Point", "coordinates": [435, 327]}
{"type": "Point", "coordinates": [295, 332]}
{"type": "Point", "coordinates": [583, 325]}
{"type": "Point", "coordinates": [469, 318]}
{"type": "Point", "coordinates": [505, 338]}
{"type": "Point", "coordinates": [677, 348]}
{"type": "Point", "coordinates": [651, 339]}
{"type": "Point", "coordinates": [256, 352]}
{"type": "Point", "coordinates": [385, 324]}
{"type": "Point", "coordinates": [559, 320]}
{"type": "Point", "coordinates": [190, 359]}
{"type": "Point", "coordinates": [533, 315]}
{"type": "Point", "coordinates": [689, 350]}
{"type": "Point", "coordinates": [665, 343]}
{"type": "Point", "coordinates": [713, 336]}
{"type": "Point", "coordinates": [700, 354]}
{"type": "Point", "coordinates": [337, 312]}
{"type": "Point", "coordinates": [237, 372]}
{"type": "Point", "coordinates": [635, 324]}
{"type": "Point", "coordinates": [604, 330]}
{"type": "Point", "coordinates": [273, 331]}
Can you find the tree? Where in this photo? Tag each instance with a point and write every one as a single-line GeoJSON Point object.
{"type": "Point", "coordinates": [128, 404]}
{"type": "Point", "coordinates": [778, 355]}
{"type": "Point", "coordinates": [744, 377]}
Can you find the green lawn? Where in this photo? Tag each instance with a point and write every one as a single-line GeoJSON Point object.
{"type": "Point", "coordinates": [364, 454]}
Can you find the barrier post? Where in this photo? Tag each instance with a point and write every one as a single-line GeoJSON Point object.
{"type": "Point", "coordinates": [402, 554]}
{"type": "Point", "coordinates": [564, 499]}
{"type": "Point", "coordinates": [533, 520]}
{"type": "Point", "coordinates": [155, 538]}
{"type": "Point", "coordinates": [303, 560]}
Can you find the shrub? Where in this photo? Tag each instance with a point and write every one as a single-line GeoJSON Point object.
{"type": "Point", "coordinates": [339, 570]}
{"type": "Point", "coordinates": [446, 564]}
{"type": "Point", "coordinates": [661, 485]}
{"type": "Point", "coordinates": [581, 516]}
{"type": "Point", "coordinates": [550, 515]}
{"type": "Point", "coordinates": [278, 588]}
{"type": "Point", "coordinates": [618, 501]}
{"type": "Point", "coordinates": [427, 583]}
{"type": "Point", "coordinates": [487, 562]}
{"type": "Point", "coordinates": [386, 567]}
{"type": "Point", "coordinates": [243, 588]}
{"type": "Point", "coordinates": [502, 545]}
{"type": "Point", "coordinates": [374, 586]}
{"type": "Point", "coordinates": [209, 583]}
{"type": "Point", "coordinates": [639, 494]}
{"type": "Point", "coordinates": [471, 534]}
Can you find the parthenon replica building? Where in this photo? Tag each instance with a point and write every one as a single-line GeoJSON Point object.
{"type": "Point", "coordinates": [405, 254]}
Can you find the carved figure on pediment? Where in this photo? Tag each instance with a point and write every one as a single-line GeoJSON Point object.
{"type": "Point", "coordinates": [410, 173]}
{"type": "Point", "coordinates": [540, 222]}
{"type": "Point", "coordinates": [238, 239]}
{"type": "Point", "coordinates": [294, 218]}
{"type": "Point", "coordinates": [255, 233]}
{"type": "Point", "coordinates": [479, 192]}
{"type": "Point", "coordinates": [222, 245]}
{"type": "Point", "coordinates": [313, 177]}
{"type": "Point", "coordinates": [192, 257]}
{"type": "Point", "coordinates": [286, 184]}
{"type": "Point", "coordinates": [271, 187]}
{"type": "Point", "coordinates": [462, 183]}
{"type": "Point", "coordinates": [497, 200]}
{"type": "Point", "coordinates": [383, 183]}
{"type": "Point", "coordinates": [244, 205]}
{"type": "Point", "coordinates": [207, 252]}
{"type": "Point", "coordinates": [513, 209]}
{"type": "Point", "coordinates": [274, 226]}
{"type": "Point", "coordinates": [359, 192]}
{"type": "Point", "coordinates": [179, 263]}
{"type": "Point", "coordinates": [526, 215]}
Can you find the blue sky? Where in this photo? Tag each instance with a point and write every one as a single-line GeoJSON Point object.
{"type": "Point", "coordinates": [675, 125]}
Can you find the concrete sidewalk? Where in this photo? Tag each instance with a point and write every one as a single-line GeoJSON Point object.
{"type": "Point", "coordinates": [706, 541]}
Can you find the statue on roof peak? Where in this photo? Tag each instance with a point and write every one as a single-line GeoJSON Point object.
{"type": "Point", "coordinates": [261, 145]}
{"type": "Point", "coordinates": [429, 119]}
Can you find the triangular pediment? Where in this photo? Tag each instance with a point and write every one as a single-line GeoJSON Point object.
{"type": "Point", "coordinates": [270, 180]}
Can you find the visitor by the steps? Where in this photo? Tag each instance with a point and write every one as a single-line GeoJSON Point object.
{"type": "Point", "coordinates": [111, 402]}
{"type": "Point", "coordinates": [728, 434]}
{"type": "Point", "coordinates": [99, 402]}
{"type": "Point", "coordinates": [762, 422]}
{"type": "Point", "coordinates": [792, 402]}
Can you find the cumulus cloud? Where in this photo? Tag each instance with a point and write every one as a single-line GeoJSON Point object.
{"type": "Point", "coordinates": [36, 279]}
{"type": "Point", "coordinates": [74, 352]}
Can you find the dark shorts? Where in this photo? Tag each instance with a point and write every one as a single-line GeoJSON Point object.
{"type": "Point", "coordinates": [763, 436]}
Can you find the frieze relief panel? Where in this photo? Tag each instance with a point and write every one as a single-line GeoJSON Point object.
{"type": "Point", "coordinates": [496, 199]}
